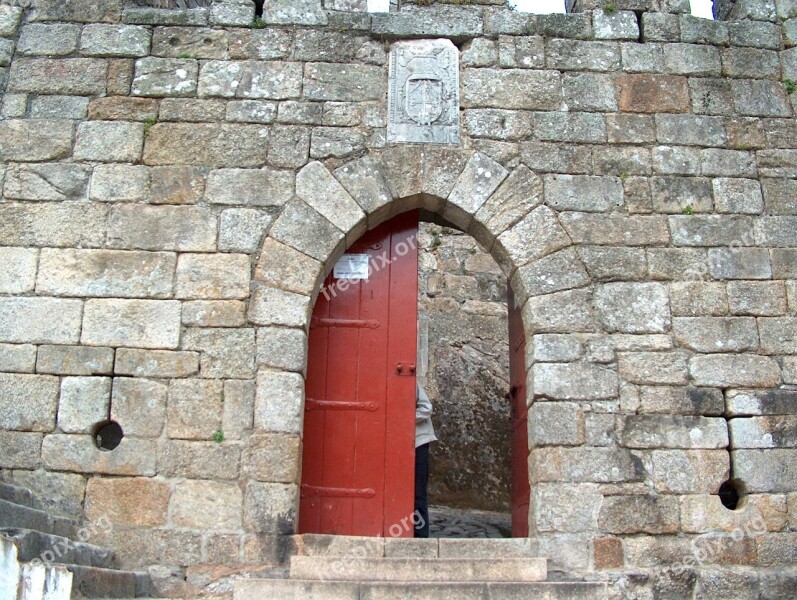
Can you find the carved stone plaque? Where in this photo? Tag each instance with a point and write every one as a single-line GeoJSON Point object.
{"type": "Point", "coordinates": [423, 99]}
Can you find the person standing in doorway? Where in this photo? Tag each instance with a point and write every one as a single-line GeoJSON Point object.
{"type": "Point", "coordinates": [424, 435]}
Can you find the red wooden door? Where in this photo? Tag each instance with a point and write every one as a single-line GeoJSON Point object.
{"type": "Point", "coordinates": [359, 423]}
{"type": "Point", "coordinates": [521, 490]}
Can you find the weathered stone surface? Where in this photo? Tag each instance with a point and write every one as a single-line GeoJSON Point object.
{"type": "Point", "coordinates": [239, 408]}
{"type": "Point", "coordinates": [106, 273]}
{"type": "Point", "coordinates": [241, 229]}
{"type": "Point", "coordinates": [713, 334]}
{"type": "Point", "coordinates": [293, 12]}
{"type": "Point", "coordinates": [511, 89]}
{"type": "Point", "coordinates": [778, 335]}
{"type": "Point", "coordinates": [75, 76]}
{"type": "Point", "coordinates": [280, 401]}
{"type": "Point", "coordinates": [75, 360]}
{"type": "Point", "coordinates": [228, 353]}
{"type": "Point", "coordinates": [40, 320]}
{"type": "Point", "coordinates": [739, 263]}
{"type": "Point", "coordinates": [760, 98]}
{"type": "Point", "coordinates": [600, 229]}
{"type": "Point", "coordinates": [583, 193]}
{"type": "Point", "coordinates": [438, 21]}
{"type": "Point", "coordinates": [569, 127]}
{"type": "Point", "coordinates": [775, 231]}
{"type": "Point", "coordinates": [195, 408]}
{"type": "Point", "coordinates": [212, 277]}
{"type": "Point", "coordinates": [665, 431]}
{"type": "Point", "coordinates": [617, 25]}
{"type": "Point", "coordinates": [599, 465]}
{"type": "Point", "coordinates": [200, 43]}
{"type": "Point", "coordinates": [743, 370]}
{"type": "Point", "coordinates": [709, 230]}
{"type": "Point", "coordinates": [320, 190]}
{"type": "Point", "coordinates": [334, 82]}
{"type": "Point", "coordinates": [39, 39]}
{"type": "Point", "coordinates": [653, 367]}
{"type": "Point", "coordinates": [200, 460]}
{"type": "Point", "coordinates": [158, 77]}
{"type": "Point", "coordinates": [574, 381]}
{"type": "Point", "coordinates": [176, 185]}
{"type": "Point", "coordinates": [553, 273]}
{"type": "Point", "coordinates": [83, 403]}
{"type": "Point", "coordinates": [17, 358]}
{"type": "Point", "coordinates": [214, 313]}
{"type": "Point", "coordinates": [272, 457]}
{"type": "Point", "coordinates": [764, 432]}
{"type": "Point", "coordinates": [19, 270]}
{"type": "Point", "coordinates": [290, 147]}
{"type": "Point", "coordinates": [10, 17]}
{"type": "Point", "coordinates": [577, 514]}
{"type": "Point", "coordinates": [250, 79]}
{"type": "Point", "coordinates": [606, 263]}
{"type": "Point", "coordinates": [191, 110]}
{"type": "Point", "coordinates": [282, 348]}
{"type": "Point", "coordinates": [521, 192]}
{"type": "Point", "coordinates": [746, 403]}
{"type": "Point", "coordinates": [181, 228]}
{"type": "Point", "coordinates": [272, 306]}
{"type": "Point", "coordinates": [633, 307]}
{"type": "Point", "coordinates": [139, 406]}
{"type": "Point", "coordinates": [263, 44]}
{"type": "Point", "coordinates": [779, 195]}
{"type": "Point", "coordinates": [552, 347]}
{"type": "Point", "coordinates": [769, 471]}
{"type": "Point", "coordinates": [689, 471]}
{"type": "Point", "coordinates": [639, 514]}
{"type": "Point", "coordinates": [35, 140]}
{"type": "Point", "coordinates": [271, 507]}
{"type": "Point", "coordinates": [212, 145]}
{"type": "Point", "coordinates": [738, 196]}
{"type": "Point", "coordinates": [115, 40]}
{"type": "Point", "coordinates": [79, 454]}
{"type": "Point", "coordinates": [565, 312]}
{"type": "Point", "coordinates": [131, 323]}
{"type": "Point", "coordinates": [28, 402]}
{"type": "Point", "coordinates": [46, 182]}
{"type": "Point", "coordinates": [206, 505]}
{"type": "Point", "coordinates": [115, 183]}
{"type": "Point", "coordinates": [556, 424]}
{"type": "Point", "coordinates": [643, 93]}
{"type": "Point", "coordinates": [156, 363]}
{"type": "Point", "coordinates": [109, 141]}
{"type": "Point", "coordinates": [535, 236]}
{"type": "Point", "coordinates": [284, 267]}
{"type": "Point", "coordinates": [127, 502]}
{"type": "Point", "coordinates": [303, 228]}
{"type": "Point", "coordinates": [567, 55]}
{"type": "Point", "coordinates": [692, 59]}
{"type": "Point", "coordinates": [20, 450]}
{"type": "Point", "coordinates": [240, 13]}
{"type": "Point", "coordinates": [118, 108]}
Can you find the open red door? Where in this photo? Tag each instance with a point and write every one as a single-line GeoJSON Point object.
{"type": "Point", "coordinates": [521, 490]}
{"type": "Point", "coordinates": [359, 424]}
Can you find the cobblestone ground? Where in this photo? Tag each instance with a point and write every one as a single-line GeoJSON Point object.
{"type": "Point", "coordinates": [460, 523]}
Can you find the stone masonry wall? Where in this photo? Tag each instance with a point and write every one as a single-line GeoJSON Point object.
{"type": "Point", "coordinates": [463, 364]}
{"type": "Point", "coordinates": [176, 183]}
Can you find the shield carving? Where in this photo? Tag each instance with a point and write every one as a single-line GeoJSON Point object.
{"type": "Point", "coordinates": [424, 98]}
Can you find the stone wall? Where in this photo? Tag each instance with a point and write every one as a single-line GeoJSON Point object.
{"type": "Point", "coordinates": [175, 184]}
{"type": "Point", "coordinates": [464, 366]}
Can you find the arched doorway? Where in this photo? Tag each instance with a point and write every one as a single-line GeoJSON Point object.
{"type": "Point", "coordinates": [357, 473]}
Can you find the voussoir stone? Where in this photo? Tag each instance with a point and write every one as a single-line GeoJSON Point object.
{"type": "Point", "coordinates": [132, 323]}
{"type": "Point", "coordinates": [320, 190]}
{"type": "Point", "coordinates": [294, 12]}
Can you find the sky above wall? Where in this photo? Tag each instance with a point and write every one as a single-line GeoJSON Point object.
{"type": "Point", "coordinates": [700, 8]}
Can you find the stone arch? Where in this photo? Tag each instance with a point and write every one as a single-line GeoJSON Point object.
{"type": "Point", "coordinates": [503, 210]}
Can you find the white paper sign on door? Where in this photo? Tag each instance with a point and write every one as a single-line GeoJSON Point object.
{"type": "Point", "coordinates": [352, 266]}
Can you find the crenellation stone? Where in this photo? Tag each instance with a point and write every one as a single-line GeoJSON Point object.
{"type": "Point", "coordinates": [131, 323]}
{"type": "Point", "coordinates": [294, 12]}
{"type": "Point", "coordinates": [139, 406]}
{"type": "Point", "coordinates": [616, 25]}
{"type": "Point", "coordinates": [28, 402]}
{"type": "Point", "coordinates": [83, 402]}
{"type": "Point", "coordinates": [166, 364]}
{"type": "Point", "coordinates": [233, 13]}
{"type": "Point", "coordinates": [105, 273]}
{"type": "Point", "coordinates": [570, 25]}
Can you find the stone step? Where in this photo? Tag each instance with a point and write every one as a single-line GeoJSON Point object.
{"type": "Point", "coordinates": [293, 589]}
{"type": "Point", "coordinates": [342, 545]}
{"type": "Point", "coordinates": [18, 495]}
{"type": "Point", "coordinates": [55, 549]}
{"type": "Point", "coordinates": [353, 568]}
{"type": "Point", "coordinates": [19, 516]}
{"type": "Point", "coordinates": [94, 582]}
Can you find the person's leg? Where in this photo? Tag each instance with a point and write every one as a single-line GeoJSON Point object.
{"type": "Point", "coordinates": [421, 495]}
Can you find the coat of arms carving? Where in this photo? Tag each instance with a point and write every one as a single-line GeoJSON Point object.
{"type": "Point", "coordinates": [423, 99]}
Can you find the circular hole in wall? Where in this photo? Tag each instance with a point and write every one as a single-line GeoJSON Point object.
{"type": "Point", "coordinates": [731, 494]}
{"type": "Point", "coordinates": [108, 435]}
